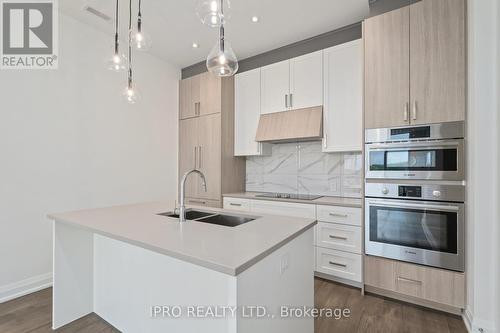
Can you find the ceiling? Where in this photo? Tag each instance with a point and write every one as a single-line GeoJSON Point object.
{"type": "Point", "coordinates": [174, 26]}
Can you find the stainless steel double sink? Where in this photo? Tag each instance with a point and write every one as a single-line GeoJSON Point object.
{"type": "Point", "coordinates": [228, 220]}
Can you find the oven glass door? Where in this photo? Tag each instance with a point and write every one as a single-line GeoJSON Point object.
{"type": "Point", "coordinates": [413, 226]}
{"type": "Point", "coordinates": [408, 159]}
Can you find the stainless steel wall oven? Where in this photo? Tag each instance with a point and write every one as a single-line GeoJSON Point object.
{"type": "Point", "coordinates": [434, 152]}
{"type": "Point", "coordinates": [417, 223]}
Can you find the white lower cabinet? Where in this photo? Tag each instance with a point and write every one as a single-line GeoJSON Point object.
{"type": "Point", "coordinates": [337, 236]}
{"type": "Point", "coordinates": [237, 204]}
{"type": "Point", "coordinates": [341, 264]}
{"type": "Point", "coordinates": [283, 208]}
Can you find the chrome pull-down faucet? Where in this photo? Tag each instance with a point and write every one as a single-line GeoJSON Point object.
{"type": "Point", "coordinates": [182, 208]}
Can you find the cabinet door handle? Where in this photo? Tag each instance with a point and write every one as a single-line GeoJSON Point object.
{"type": "Point", "coordinates": [338, 215]}
{"type": "Point", "coordinates": [199, 156]}
{"type": "Point", "coordinates": [286, 101]}
{"type": "Point", "coordinates": [195, 156]}
{"type": "Point", "coordinates": [406, 112]}
{"type": "Point", "coordinates": [337, 264]}
{"type": "Point", "coordinates": [235, 204]}
{"type": "Point", "coordinates": [338, 237]}
{"type": "Point", "coordinates": [414, 111]}
{"type": "Point", "coordinates": [402, 279]}
{"type": "Point", "coordinates": [198, 202]}
{"type": "Point", "coordinates": [291, 100]}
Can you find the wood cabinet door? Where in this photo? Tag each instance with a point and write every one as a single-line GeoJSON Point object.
{"type": "Point", "coordinates": [210, 94]}
{"type": "Point", "coordinates": [343, 97]}
{"type": "Point", "coordinates": [437, 61]}
{"type": "Point", "coordinates": [387, 69]}
{"type": "Point", "coordinates": [187, 108]}
{"type": "Point", "coordinates": [209, 156]}
{"type": "Point", "coordinates": [275, 87]}
{"type": "Point", "coordinates": [306, 81]}
{"type": "Point", "coordinates": [188, 153]}
{"type": "Point", "coordinates": [246, 113]}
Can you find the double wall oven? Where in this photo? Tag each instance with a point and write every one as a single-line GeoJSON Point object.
{"type": "Point", "coordinates": [415, 193]}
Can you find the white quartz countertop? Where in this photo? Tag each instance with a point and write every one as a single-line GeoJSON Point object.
{"type": "Point", "coordinates": [229, 250]}
{"type": "Point", "coordinates": [327, 201]}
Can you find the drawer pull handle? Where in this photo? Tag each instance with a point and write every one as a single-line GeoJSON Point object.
{"type": "Point", "coordinates": [235, 204]}
{"type": "Point", "coordinates": [338, 215]}
{"type": "Point", "coordinates": [198, 202]}
{"type": "Point", "coordinates": [337, 264]}
{"type": "Point", "coordinates": [338, 237]}
{"type": "Point", "coordinates": [402, 279]}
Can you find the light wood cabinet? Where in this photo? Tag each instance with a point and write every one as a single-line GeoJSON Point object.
{"type": "Point", "coordinates": [343, 97]}
{"type": "Point", "coordinates": [206, 143]}
{"type": "Point", "coordinates": [292, 84]}
{"type": "Point", "coordinates": [247, 115]}
{"type": "Point", "coordinates": [209, 155]}
{"type": "Point", "coordinates": [415, 63]}
{"type": "Point", "coordinates": [419, 282]}
{"type": "Point", "coordinates": [437, 61]}
{"type": "Point", "coordinates": [188, 153]}
{"type": "Point", "coordinates": [387, 57]}
{"type": "Point", "coordinates": [199, 95]}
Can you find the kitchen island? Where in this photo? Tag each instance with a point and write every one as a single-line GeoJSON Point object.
{"type": "Point", "coordinates": [145, 272]}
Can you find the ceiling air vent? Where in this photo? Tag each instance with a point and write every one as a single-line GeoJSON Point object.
{"type": "Point", "coordinates": [97, 13]}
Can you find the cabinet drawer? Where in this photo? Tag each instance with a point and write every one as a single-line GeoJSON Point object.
{"type": "Point", "coordinates": [427, 283]}
{"type": "Point", "coordinates": [339, 237]}
{"type": "Point", "coordinates": [237, 204]}
{"type": "Point", "coordinates": [283, 208]}
{"type": "Point", "coordinates": [203, 202]}
{"type": "Point", "coordinates": [340, 264]}
{"type": "Point", "coordinates": [338, 214]}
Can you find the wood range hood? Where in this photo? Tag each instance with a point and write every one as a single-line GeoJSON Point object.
{"type": "Point", "coordinates": [294, 125]}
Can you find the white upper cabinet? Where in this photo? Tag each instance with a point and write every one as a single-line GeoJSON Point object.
{"type": "Point", "coordinates": [306, 81]}
{"type": "Point", "coordinates": [275, 87]}
{"type": "Point", "coordinates": [343, 97]}
{"type": "Point", "coordinates": [247, 114]}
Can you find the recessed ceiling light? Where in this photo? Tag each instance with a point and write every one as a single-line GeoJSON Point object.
{"type": "Point", "coordinates": [255, 19]}
{"type": "Point", "coordinates": [195, 45]}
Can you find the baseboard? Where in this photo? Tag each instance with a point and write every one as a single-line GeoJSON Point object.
{"type": "Point", "coordinates": [477, 326]}
{"type": "Point", "coordinates": [339, 280]}
{"type": "Point", "coordinates": [24, 287]}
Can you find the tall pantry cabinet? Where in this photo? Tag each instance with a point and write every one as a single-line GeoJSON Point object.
{"type": "Point", "coordinates": [206, 139]}
{"type": "Point", "coordinates": [415, 65]}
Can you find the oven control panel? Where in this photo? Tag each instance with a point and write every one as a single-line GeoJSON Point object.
{"type": "Point", "coordinates": [410, 191]}
{"type": "Point", "coordinates": [431, 192]}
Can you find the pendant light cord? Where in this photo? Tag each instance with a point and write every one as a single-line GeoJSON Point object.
{"type": "Point", "coordinates": [139, 18]}
{"type": "Point", "coordinates": [116, 28]}
{"type": "Point", "coordinates": [129, 44]}
{"type": "Point", "coordinates": [221, 30]}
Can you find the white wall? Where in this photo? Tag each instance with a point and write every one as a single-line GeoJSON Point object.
{"type": "Point", "coordinates": [69, 141]}
{"type": "Point", "coordinates": [483, 167]}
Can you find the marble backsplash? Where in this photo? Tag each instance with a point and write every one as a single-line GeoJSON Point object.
{"type": "Point", "coordinates": [303, 168]}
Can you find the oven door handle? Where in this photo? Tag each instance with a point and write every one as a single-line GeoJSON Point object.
{"type": "Point", "coordinates": [424, 207]}
{"type": "Point", "coordinates": [412, 145]}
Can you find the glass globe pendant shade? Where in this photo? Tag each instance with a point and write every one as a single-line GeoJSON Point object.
{"type": "Point", "coordinates": [210, 12]}
{"type": "Point", "coordinates": [221, 61]}
{"type": "Point", "coordinates": [141, 41]}
{"type": "Point", "coordinates": [131, 94]}
{"type": "Point", "coordinates": [117, 63]}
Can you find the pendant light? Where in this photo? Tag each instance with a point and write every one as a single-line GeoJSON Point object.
{"type": "Point", "coordinates": [140, 39]}
{"type": "Point", "coordinates": [131, 93]}
{"type": "Point", "coordinates": [118, 61]}
{"type": "Point", "coordinates": [210, 12]}
{"type": "Point", "coordinates": [222, 61]}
